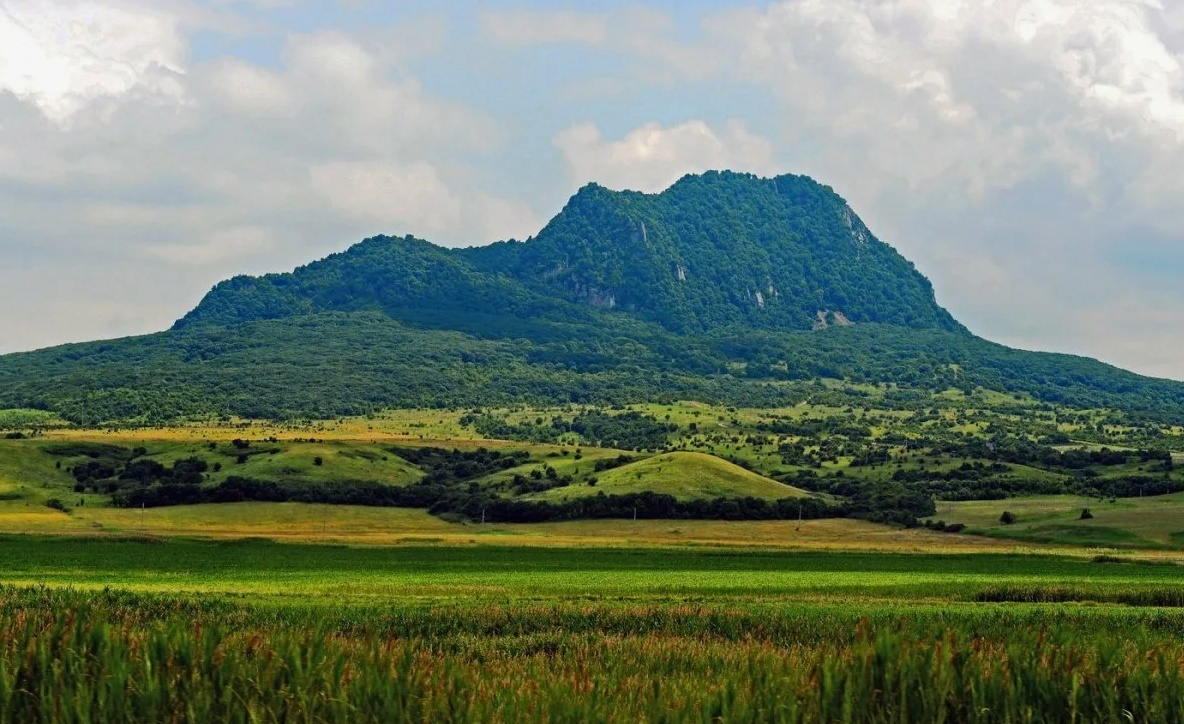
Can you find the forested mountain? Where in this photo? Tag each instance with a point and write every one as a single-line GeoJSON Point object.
{"type": "Point", "coordinates": [711, 252]}
{"type": "Point", "coordinates": [725, 287]}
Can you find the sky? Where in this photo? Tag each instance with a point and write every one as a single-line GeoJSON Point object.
{"type": "Point", "coordinates": [1027, 155]}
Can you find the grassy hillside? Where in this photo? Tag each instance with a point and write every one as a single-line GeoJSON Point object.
{"type": "Point", "coordinates": [848, 446]}
{"type": "Point", "coordinates": [34, 471]}
{"type": "Point", "coordinates": [1149, 522]}
{"type": "Point", "coordinates": [685, 475]}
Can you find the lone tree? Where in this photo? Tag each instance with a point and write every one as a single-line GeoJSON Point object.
{"type": "Point", "coordinates": [1085, 514]}
{"type": "Point", "coordinates": [1007, 518]}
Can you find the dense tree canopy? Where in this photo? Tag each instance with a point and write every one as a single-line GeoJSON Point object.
{"type": "Point", "coordinates": [711, 252]}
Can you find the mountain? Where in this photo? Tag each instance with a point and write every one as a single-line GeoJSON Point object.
{"type": "Point", "coordinates": [712, 252]}
{"type": "Point", "coordinates": [725, 287]}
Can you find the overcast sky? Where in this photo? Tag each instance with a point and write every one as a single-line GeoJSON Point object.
{"type": "Point", "coordinates": [1028, 155]}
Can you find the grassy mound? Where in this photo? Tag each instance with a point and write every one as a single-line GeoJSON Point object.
{"type": "Point", "coordinates": [685, 475]}
{"type": "Point", "coordinates": [297, 462]}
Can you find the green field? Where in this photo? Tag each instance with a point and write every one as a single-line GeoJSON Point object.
{"type": "Point", "coordinates": [304, 611]}
{"type": "Point", "coordinates": [152, 630]}
{"type": "Point", "coordinates": [476, 572]}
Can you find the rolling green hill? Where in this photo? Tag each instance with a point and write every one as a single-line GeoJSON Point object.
{"type": "Point", "coordinates": [36, 470]}
{"type": "Point", "coordinates": [685, 475]}
{"type": "Point", "coordinates": [725, 288]}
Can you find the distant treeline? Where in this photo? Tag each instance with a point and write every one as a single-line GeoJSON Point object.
{"type": "Point", "coordinates": [978, 481]}
{"type": "Point", "coordinates": [1024, 452]}
{"type": "Point", "coordinates": [474, 506]}
{"type": "Point", "coordinates": [626, 430]}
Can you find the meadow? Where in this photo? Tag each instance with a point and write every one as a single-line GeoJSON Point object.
{"type": "Point", "coordinates": [290, 611]}
{"type": "Point", "coordinates": [151, 630]}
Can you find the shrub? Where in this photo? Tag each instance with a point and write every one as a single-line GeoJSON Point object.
{"type": "Point", "coordinates": [1007, 518]}
{"type": "Point", "coordinates": [55, 504]}
{"type": "Point", "coordinates": [1085, 514]}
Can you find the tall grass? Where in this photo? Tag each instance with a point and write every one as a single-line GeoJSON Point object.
{"type": "Point", "coordinates": [103, 656]}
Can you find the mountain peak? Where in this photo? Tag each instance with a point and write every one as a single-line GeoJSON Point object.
{"type": "Point", "coordinates": [717, 250]}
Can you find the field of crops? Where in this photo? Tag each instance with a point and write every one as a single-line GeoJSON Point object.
{"type": "Point", "coordinates": [149, 630]}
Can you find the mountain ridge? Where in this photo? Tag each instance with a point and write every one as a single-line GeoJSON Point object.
{"type": "Point", "coordinates": [711, 251]}
{"type": "Point", "coordinates": [723, 288]}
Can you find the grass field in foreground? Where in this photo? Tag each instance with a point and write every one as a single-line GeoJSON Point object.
{"type": "Point", "coordinates": [456, 573]}
{"type": "Point", "coordinates": [111, 656]}
{"type": "Point", "coordinates": [148, 630]}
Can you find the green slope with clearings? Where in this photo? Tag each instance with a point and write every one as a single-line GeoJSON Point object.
{"type": "Point", "coordinates": [685, 475]}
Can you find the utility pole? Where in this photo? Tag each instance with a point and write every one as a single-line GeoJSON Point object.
{"type": "Point", "coordinates": [483, 516]}
{"type": "Point", "coordinates": [799, 516]}
{"type": "Point", "coordinates": [635, 513]}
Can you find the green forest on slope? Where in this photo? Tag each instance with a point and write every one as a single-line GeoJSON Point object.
{"type": "Point", "coordinates": [712, 252]}
{"type": "Point", "coordinates": [332, 364]}
{"type": "Point", "coordinates": [724, 288]}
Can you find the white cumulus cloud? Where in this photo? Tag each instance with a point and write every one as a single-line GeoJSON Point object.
{"type": "Point", "coordinates": [518, 28]}
{"type": "Point", "coordinates": [62, 55]}
{"type": "Point", "coordinates": [652, 157]}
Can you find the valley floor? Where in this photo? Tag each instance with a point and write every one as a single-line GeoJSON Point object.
{"type": "Point", "coordinates": [265, 611]}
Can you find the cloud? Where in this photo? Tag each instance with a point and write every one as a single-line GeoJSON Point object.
{"type": "Point", "coordinates": [118, 152]}
{"type": "Point", "coordinates": [251, 90]}
{"type": "Point", "coordinates": [414, 199]}
{"type": "Point", "coordinates": [643, 35]}
{"type": "Point", "coordinates": [412, 195]}
{"type": "Point", "coordinates": [64, 56]}
{"type": "Point", "coordinates": [652, 157]}
{"type": "Point", "coordinates": [520, 28]}
{"type": "Point", "coordinates": [228, 244]}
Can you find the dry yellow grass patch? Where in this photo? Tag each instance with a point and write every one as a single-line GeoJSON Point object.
{"type": "Point", "coordinates": [20, 517]}
{"type": "Point", "coordinates": [337, 433]}
{"type": "Point", "coordinates": [296, 522]}
{"type": "Point", "coordinates": [279, 521]}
